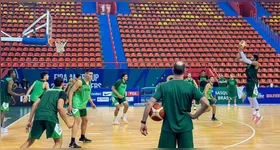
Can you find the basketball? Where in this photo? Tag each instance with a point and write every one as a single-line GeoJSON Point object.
{"type": "Point", "coordinates": [157, 112]}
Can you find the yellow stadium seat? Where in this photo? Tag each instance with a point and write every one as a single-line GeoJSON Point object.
{"type": "Point", "coordinates": [57, 10]}
{"type": "Point", "coordinates": [176, 5]}
{"type": "Point", "coordinates": [62, 10]}
{"type": "Point", "coordinates": [146, 5]}
{"type": "Point", "coordinates": [140, 15]}
{"type": "Point", "coordinates": [239, 24]}
{"type": "Point", "coordinates": [90, 18]}
{"type": "Point", "coordinates": [52, 10]}
{"type": "Point", "coordinates": [62, 6]}
{"type": "Point", "coordinates": [9, 20]}
{"type": "Point", "coordinates": [141, 5]}
{"type": "Point", "coordinates": [167, 12]}
{"type": "Point", "coordinates": [162, 12]}
{"type": "Point", "coordinates": [165, 9]}
{"type": "Point", "coordinates": [183, 16]}
{"type": "Point", "coordinates": [220, 17]}
{"type": "Point", "coordinates": [21, 9]}
{"type": "Point", "coordinates": [205, 9]}
{"type": "Point", "coordinates": [16, 9]}
{"type": "Point", "coordinates": [159, 5]}
{"type": "Point", "coordinates": [174, 9]}
{"type": "Point", "coordinates": [63, 14]}
{"type": "Point", "coordinates": [26, 13]}
{"type": "Point", "coordinates": [173, 20]}
{"type": "Point", "coordinates": [31, 17]}
{"type": "Point", "coordinates": [207, 13]}
{"type": "Point", "coordinates": [5, 12]}
{"type": "Point", "coordinates": [198, 6]}
{"type": "Point", "coordinates": [135, 15]}
{"type": "Point", "coordinates": [68, 3]}
{"type": "Point", "coordinates": [215, 17]}
{"type": "Point", "coordinates": [189, 13]}
{"type": "Point", "coordinates": [68, 14]}
{"type": "Point", "coordinates": [274, 16]}
{"type": "Point", "coordinates": [147, 8]}
{"type": "Point", "coordinates": [185, 12]}
{"type": "Point", "coordinates": [31, 13]}
{"type": "Point", "coordinates": [174, 2]}
{"type": "Point", "coordinates": [187, 16]}
{"type": "Point", "coordinates": [171, 5]}
{"type": "Point", "coordinates": [178, 20]}
{"type": "Point", "coordinates": [233, 24]}
{"type": "Point", "coordinates": [165, 23]}
{"type": "Point", "coordinates": [20, 21]}
{"type": "Point", "coordinates": [212, 13]}
{"type": "Point", "coordinates": [202, 6]}
{"type": "Point", "coordinates": [158, 12]}
{"type": "Point", "coordinates": [197, 17]}
{"type": "Point", "coordinates": [143, 8]}
{"type": "Point", "coordinates": [75, 22]}
{"type": "Point", "coordinates": [56, 6]}
{"type": "Point", "coordinates": [70, 21]}
{"type": "Point", "coordinates": [169, 8]}
{"type": "Point", "coordinates": [44, 2]}
{"type": "Point", "coordinates": [185, 6]}
{"type": "Point", "coordinates": [73, 14]}
{"type": "Point", "coordinates": [167, 20]}
{"type": "Point", "coordinates": [73, 3]}
{"type": "Point", "coordinates": [192, 16]}
{"type": "Point", "coordinates": [204, 24]}
{"type": "Point", "coordinates": [209, 9]}
{"type": "Point", "coordinates": [68, 7]}
{"type": "Point", "coordinates": [5, 5]}
{"type": "Point", "coordinates": [159, 23]}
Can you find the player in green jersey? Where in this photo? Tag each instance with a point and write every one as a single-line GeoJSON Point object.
{"type": "Point", "coordinates": [68, 87]}
{"type": "Point", "coordinates": [6, 96]}
{"type": "Point", "coordinates": [252, 80]}
{"type": "Point", "coordinates": [119, 98]}
{"type": "Point", "coordinates": [222, 81]}
{"type": "Point", "coordinates": [232, 89]}
{"type": "Point", "coordinates": [37, 88]}
{"type": "Point", "coordinates": [203, 79]}
{"type": "Point", "coordinates": [79, 96]}
{"type": "Point", "coordinates": [177, 127]}
{"type": "Point", "coordinates": [49, 104]}
{"type": "Point", "coordinates": [212, 100]}
{"type": "Point", "coordinates": [190, 80]}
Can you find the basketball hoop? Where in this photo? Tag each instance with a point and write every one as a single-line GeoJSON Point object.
{"type": "Point", "coordinates": [59, 44]}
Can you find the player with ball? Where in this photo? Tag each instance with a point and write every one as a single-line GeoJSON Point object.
{"type": "Point", "coordinates": [176, 96]}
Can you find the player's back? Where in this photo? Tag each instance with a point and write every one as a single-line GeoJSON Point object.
{"type": "Point", "coordinates": [177, 96]}
{"type": "Point", "coordinates": [37, 90]}
{"type": "Point", "coordinates": [252, 73]}
{"type": "Point", "coordinates": [47, 108]}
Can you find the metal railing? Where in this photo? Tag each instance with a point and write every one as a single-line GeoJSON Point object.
{"type": "Point", "coordinates": [273, 34]}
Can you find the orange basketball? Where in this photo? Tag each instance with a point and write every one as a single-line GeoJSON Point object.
{"type": "Point", "coordinates": [157, 112]}
{"type": "Point", "coordinates": [51, 41]}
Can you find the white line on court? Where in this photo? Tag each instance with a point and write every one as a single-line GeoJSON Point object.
{"type": "Point", "coordinates": [90, 123]}
{"type": "Point", "coordinates": [241, 142]}
{"type": "Point", "coordinates": [17, 120]}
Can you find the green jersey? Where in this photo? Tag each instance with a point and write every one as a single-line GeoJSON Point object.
{"type": "Point", "coordinates": [222, 82]}
{"type": "Point", "coordinates": [232, 84]}
{"type": "Point", "coordinates": [202, 80]}
{"type": "Point", "coordinates": [252, 74]}
{"type": "Point", "coordinates": [209, 92]}
{"type": "Point", "coordinates": [37, 90]}
{"type": "Point", "coordinates": [177, 103]}
{"type": "Point", "coordinates": [5, 96]}
{"type": "Point", "coordinates": [120, 87]}
{"type": "Point", "coordinates": [47, 108]}
{"type": "Point", "coordinates": [190, 80]}
{"type": "Point", "coordinates": [82, 96]}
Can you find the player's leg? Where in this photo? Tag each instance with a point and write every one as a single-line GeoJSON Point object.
{"type": "Point", "coordinates": [213, 106]}
{"type": "Point", "coordinates": [229, 101]}
{"type": "Point", "coordinates": [36, 132]}
{"type": "Point", "coordinates": [57, 143]}
{"type": "Point", "coordinates": [185, 140]}
{"type": "Point", "coordinates": [4, 109]}
{"type": "Point", "coordinates": [125, 104]}
{"type": "Point", "coordinates": [77, 121]}
{"type": "Point", "coordinates": [167, 140]}
{"type": "Point", "coordinates": [234, 100]}
{"type": "Point", "coordinates": [84, 117]}
{"type": "Point", "coordinates": [116, 112]}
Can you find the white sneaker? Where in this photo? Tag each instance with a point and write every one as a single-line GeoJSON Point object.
{"type": "Point", "coordinates": [235, 105]}
{"type": "Point", "coordinates": [4, 130]}
{"type": "Point", "coordinates": [116, 122]}
{"type": "Point", "coordinates": [124, 120]}
{"type": "Point", "coordinates": [228, 105]}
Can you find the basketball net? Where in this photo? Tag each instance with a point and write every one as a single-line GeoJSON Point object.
{"type": "Point", "coordinates": [60, 44]}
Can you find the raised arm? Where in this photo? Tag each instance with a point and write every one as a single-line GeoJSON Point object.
{"type": "Point", "coordinates": [244, 59]}
{"type": "Point", "coordinates": [30, 89]}
{"type": "Point", "coordinates": [60, 108]}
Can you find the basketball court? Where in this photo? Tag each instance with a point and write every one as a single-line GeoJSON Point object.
{"type": "Point", "coordinates": [234, 129]}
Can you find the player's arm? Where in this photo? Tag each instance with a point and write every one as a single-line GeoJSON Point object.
{"type": "Point", "coordinates": [206, 90]}
{"type": "Point", "coordinates": [33, 109]}
{"type": "Point", "coordinates": [10, 89]}
{"type": "Point", "coordinates": [244, 58]}
{"type": "Point", "coordinates": [60, 108]}
{"type": "Point", "coordinates": [195, 84]}
{"type": "Point", "coordinates": [116, 86]}
{"type": "Point", "coordinates": [75, 87]}
{"type": "Point", "coordinates": [46, 85]}
{"type": "Point", "coordinates": [30, 89]}
{"type": "Point", "coordinates": [198, 96]}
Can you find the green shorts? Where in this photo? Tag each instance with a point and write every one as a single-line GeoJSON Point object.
{"type": "Point", "coordinates": [79, 112]}
{"type": "Point", "coordinates": [212, 102]}
{"type": "Point", "coordinates": [232, 94]}
{"type": "Point", "coordinates": [252, 89]}
{"type": "Point", "coordinates": [5, 106]}
{"type": "Point", "coordinates": [53, 130]}
{"type": "Point", "coordinates": [116, 101]}
{"type": "Point", "coordinates": [169, 140]}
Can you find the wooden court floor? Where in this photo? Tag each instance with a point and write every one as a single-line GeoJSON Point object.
{"type": "Point", "coordinates": [234, 129]}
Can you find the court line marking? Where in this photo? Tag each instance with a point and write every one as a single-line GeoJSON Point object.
{"type": "Point", "coordinates": [249, 138]}
{"type": "Point", "coordinates": [90, 123]}
{"type": "Point", "coordinates": [17, 120]}
{"type": "Point", "coordinates": [220, 124]}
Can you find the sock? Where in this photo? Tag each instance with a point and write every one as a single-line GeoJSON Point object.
{"type": "Point", "coordinates": [254, 111]}
{"type": "Point", "coordinates": [213, 116]}
{"type": "Point", "coordinates": [115, 118]}
{"type": "Point", "coordinates": [258, 113]}
{"type": "Point", "coordinates": [124, 116]}
{"type": "Point", "coordinates": [72, 140]}
{"type": "Point", "coordinates": [82, 136]}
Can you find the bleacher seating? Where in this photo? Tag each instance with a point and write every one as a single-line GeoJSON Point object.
{"type": "Point", "coordinates": [82, 32]}
{"type": "Point", "coordinates": [156, 34]}
{"type": "Point", "coordinates": [273, 20]}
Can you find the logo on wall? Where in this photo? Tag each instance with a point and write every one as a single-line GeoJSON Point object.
{"type": "Point", "coordinates": [134, 93]}
{"type": "Point", "coordinates": [170, 77]}
{"type": "Point", "coordinates": [107, 93]}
